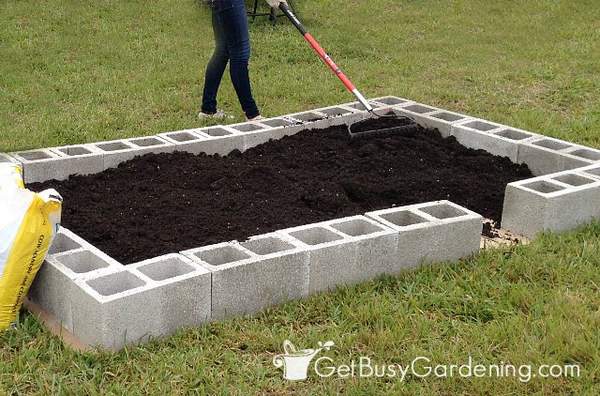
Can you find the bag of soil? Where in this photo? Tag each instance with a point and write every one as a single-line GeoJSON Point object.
{"type": "Point", "coordinates": [28, 224]}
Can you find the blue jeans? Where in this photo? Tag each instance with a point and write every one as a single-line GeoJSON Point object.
{"type": "Point", "coordinates": [230, 25]}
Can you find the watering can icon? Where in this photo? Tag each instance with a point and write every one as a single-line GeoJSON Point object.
{"type": "Point", "coordinates": [295, 362]}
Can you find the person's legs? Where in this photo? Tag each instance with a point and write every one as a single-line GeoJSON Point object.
{"type": "Point", "coordinates": [238, 46]}
{"type": "Point", "coordinates": [216, 66]}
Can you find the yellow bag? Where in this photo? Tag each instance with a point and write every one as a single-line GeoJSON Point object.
{"type": "Point", "coordinates": [28, 224]}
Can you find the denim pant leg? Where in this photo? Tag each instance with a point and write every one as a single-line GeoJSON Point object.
{"type": "Point", "coordinates": [235, 21]}
{"type": "Point", "coordinates": [215, 68]}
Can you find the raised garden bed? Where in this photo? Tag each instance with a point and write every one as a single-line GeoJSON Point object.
{"type": "Point", "coordinates": [173, 200]}
{"type": "Point", "coordinates": [163, 203]}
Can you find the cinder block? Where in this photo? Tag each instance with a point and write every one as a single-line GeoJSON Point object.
{"type": "Point", "coordinates": [70, 259]}
{"type": "Point", "coordinates": [7, 158]}
{"type": "Point", "coordinates": [358, 106]}
{"type": "Point", "coordinates": [180, 291]}
{"type": "Point", "coordinates": [547, 155]}
{"type": "Point", "coordinates": [278, 128]}
{"type": "Point", "coordinates": [80, 159]}
{"type": "Point", "coordinates": [250, 276]}
{"type": "Point", "coordinates": [586, 153]}
{"type": "Point", "coordinates": [499, 140]}
{"type": "Point", "coordinates": [391, 101]}
{"type": "Point", "coordinates": [430, 117]}
{"type": "Point", "coordinates": [118, 151]}
{"type": "Point", "coordinates": [113, 310]}
{"type": "Point", "coordinates": [309, 116]}
{"type": "Point", "coordinates": [154, 143]}
{"type": "Point", "coordinates": [369, 247]}
{"type": "Point", "coordinates": [149, 299]}
{"type": "Point", "coordinates": [182, 137]}
{"type": "Point", "coordinates": [432, 232]}
{"type": "Point", "coordinates": [593, 171]}
{"type": "Point", "coordinates": [332, 257]}
{"type": "Point", "coordinates": [555, 202]}
{"type": "Point", "coordinates": [255, 133]}
{"type": "Point", "coordinates": [249, 126]}
{"type": "Point", "coordinates": [336, 111]}
{"type": "Point", "coordinates": [41, 165]}
{"type": "Point", "coordinates": [219, 140]}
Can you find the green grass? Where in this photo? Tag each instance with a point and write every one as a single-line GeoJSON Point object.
{"type": "Point", "coordinates": [74, 72]}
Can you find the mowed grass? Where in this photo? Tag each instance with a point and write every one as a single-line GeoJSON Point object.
{"type": "Point", "coordinates": [74, 72]}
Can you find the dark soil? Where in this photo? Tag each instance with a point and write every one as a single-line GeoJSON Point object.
{"type": "Point", "coordinates": [162, 203]}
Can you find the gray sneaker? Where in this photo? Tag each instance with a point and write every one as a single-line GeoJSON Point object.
{"type": "Point", "coordinates": [220, 114]}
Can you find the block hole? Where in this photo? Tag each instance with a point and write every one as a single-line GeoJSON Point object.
{"type": "Point", "coordinates": [480, 126]}
{"type": "Point", "coordinates": [62, 243]}
{"type": "Point", "coordinates": [335, 111]}
{"type": "Point", "coordinates": [166, 269]}
{"type": "Point", "coordinates": [391, 101]}
{"type": "Point", "coordinates": [594, 171]}
{"type": "Point", "coordinates": [115, 283]}
{"type": "Point", "coordinates": [359, 106]}
{"type": "Point", "coordinates": [403, 218]}
{"type": "Point", "coordinates": [551, 144]}
{"type": "Point", "coordinates": [315, 236]}
{"type": "Point", "coordinates": [34, 155]}
{"type": "Point", "coordinates": [443, 211]}
{"type": "Point", "coordinates": [182, 136]}
{"type": "Point", "coordinates": [112, 146]}
{"type": "Point", "coordinates": [587, 154]}
{"type": "Point", "coordinates": [222, 255]}
{"type": "Point", "coordinates": [574, 180]}
{"type": "Point", "coordinates": [263, 246]}
{"type": "Point", "coordinates": [277, 122]}
{"type": "Point", "coordinates": [247, 127]}
{"type": "Point", "coordinates": [216, 132]}
{"type": "Point", "coordinates": [543, 187]}
{"type": "Point", "coordinates": [513, 134]}
{"type": "Point", "coordinates": [147, 142]}
{"type": "Point", "coordinates": [419, 109]}
{"type": "Point", "coordinates": [75, 150]}
{"type": "Point", "coordinates": [308, 117]}
{"type": "Point", "coordinates": [448, 116]}
{"type": "Point", "coordinates": [82, 262]}
{"type": "Point", "coordinates": [356, 227]}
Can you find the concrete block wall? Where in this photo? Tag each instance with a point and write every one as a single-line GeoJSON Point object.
{"type": "Point", "coordinates": [555, 202]}
{"type": "Point", "coordinates": [106, 304]}
{"type": "Point", "coordinates": [344, 251]}
{"type": "Point", "coordinates": [250, 276]}
{"type": "Point", "coordinates": [431, 232]}
{"type": "Point", "coordinates": [149, 299]}
{"type": "Point", "coordinates": [40, 165]}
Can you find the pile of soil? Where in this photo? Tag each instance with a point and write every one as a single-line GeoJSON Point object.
{"type": "Point", "coordinates": [162, 203]}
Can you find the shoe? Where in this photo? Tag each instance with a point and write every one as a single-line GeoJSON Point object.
{"type": "Point", "coordinates": [218, 115]}
{"type": "Point", "coordinates": [257, 118]}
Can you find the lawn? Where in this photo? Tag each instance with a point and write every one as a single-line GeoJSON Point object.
{"type": "Point", "coordinates": [73, 72]}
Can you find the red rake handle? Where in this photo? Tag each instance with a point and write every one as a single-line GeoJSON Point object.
{"type": "Point", "coordinates": [324, 56]}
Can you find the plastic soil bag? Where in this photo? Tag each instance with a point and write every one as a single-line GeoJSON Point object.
{"type": "Point", "coordinates": [28, 224]}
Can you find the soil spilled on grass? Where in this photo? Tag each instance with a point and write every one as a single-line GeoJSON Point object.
{"type": "Point", "coordinates": [163, 203]}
